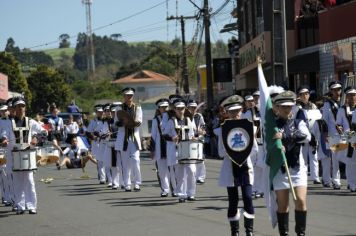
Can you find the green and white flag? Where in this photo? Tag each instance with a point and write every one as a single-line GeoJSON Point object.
{"type": "Point", "coordinates": [273, 147]}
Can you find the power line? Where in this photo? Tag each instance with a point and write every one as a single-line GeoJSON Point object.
{"type": "Point", "coordinates": [107, 25]}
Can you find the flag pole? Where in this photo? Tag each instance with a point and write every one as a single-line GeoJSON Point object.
{"type": "Point", "coordinates": [289, 179]}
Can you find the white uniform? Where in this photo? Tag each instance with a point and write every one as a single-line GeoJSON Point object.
{"type": "Point", "coordinates": [201, 170]}
{"type": "Point", "coordinates": [166, 174]}
{"type": "Point", "coordinates": [344, 119]}
{"type": "Point", "coordinates": [4, 179]}
{"type": "Point", "coordinates": [24, 184]}
{"type": "Point", "coordinates": [351, 164]}
{"type": "Point", "coordinates": [330, 120]}
{"type": "Point", "coordinates": [257, 158]}
{"type": "Point", "coordinates": [129, 148]}
{"type": "Point", "coordinates": [185, 173]}
{"type": "Point", "coordinates": [97, 149]}
{"type": "Point", "coordinates": [311, 113]}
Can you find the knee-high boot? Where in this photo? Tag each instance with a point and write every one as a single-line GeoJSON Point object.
{"type": "Point", "coordinates": [234, 226]}
{"type": "Point", "coordinates": [283, 219]}
{"type": "Point", "coordinates": [248, 223]}
{"type": "Point", "coordinates": [300, 222]}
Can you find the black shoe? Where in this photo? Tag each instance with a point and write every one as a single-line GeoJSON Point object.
{"type": "Point", "coordinates": [181, 200]}
{"type": "Point", "coordinates": [122, 187]}
{"type": "Point", "coordinates": [20, 212]}
{"type": "Point", "coordinates": [326, 185]}
{"type": "Point", "coordinates": [200, 181]}
{"type": "Point", "coordinates": [336, 186]}
{"type": "Point", "coordinates": [14, 209]}
{"type": "Point", "coordinates": [191, 199]}
{"type": "Point", "coordinates": [114, 187]}
{"type": "Point", "coordinates": [174, 195]}
{"type": "Point", "coordinates": [32, 212]}
{"type": "Point", "coordinates": [58, 166]}
{"type": "Point", "coordinates": [102, 182]}
{"type": "Point", "coordinates": [164, 194]}
{"type": "Point", "coordinates": [316, 182]}
{"type": "Point", "coordinates": [7, 203]}
{"type": "Point", "coordinates": [128, 189]}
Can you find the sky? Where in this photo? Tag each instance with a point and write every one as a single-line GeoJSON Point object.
{"type": "Point", "coordinates": [37, 24]}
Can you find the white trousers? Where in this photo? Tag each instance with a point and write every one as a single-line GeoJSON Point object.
{"type": "Point", "coordinates": [167, 176]}
{"type": "Point", "coordinates": [119, 173]}
{"type": "Point", "coordinates": [326, 174]}
{"type": "Point", "coordinates": [4, 185]}
{"type": "Point", "coordinates": [131, 165]}
{"type": "Point", "coordinates": [351, 172]}
{"type": "Point", "coordinates": [186, 181]}
{"type": "Point", "coordinates": [313, 160]}
{"type": "Point", "coordinates": [201, 171]}
{"type": "Point", "coordinates": [335, 177]}
{"type": "Point", "coordinates": [101, 171]}
{"type": "Point", "coordinates": [25, 191]}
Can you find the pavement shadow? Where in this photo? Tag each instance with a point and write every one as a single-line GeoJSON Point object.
{"type": "Point", "coordinates": [145, 203]}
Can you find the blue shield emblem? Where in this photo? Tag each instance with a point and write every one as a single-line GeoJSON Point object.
{"type": "Point", "coordinates": [237, 139]}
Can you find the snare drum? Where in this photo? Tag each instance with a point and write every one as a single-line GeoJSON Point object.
{"type": "Point", "coordinates": [24, 160]}
{"type": "Point", "coordinates": [338, 142]}
{"type": "Point", "coordinates": [352, 140]}
{"type": "Point", "coordinates": [190, 152]}
{"type": "Point", "coordinates": [2, 157]}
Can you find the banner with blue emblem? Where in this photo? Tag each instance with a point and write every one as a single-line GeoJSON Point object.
{"type": "Point", "coordinates": [237, 139]}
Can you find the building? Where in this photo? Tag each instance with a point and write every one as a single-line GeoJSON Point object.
{"type": "Point", "coordinates": [147, 84]}
{"type": "Point", "coordinates": [4, 88]}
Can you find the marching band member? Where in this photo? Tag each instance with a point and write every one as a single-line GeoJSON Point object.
{"type": "Point", "coordinates": [93, 132]}
{"type": "Point", "coordinates": [199, 131]}
{"type": "Point", "coordinates": [252, 113]}
{"type": "Point", "coordinates": [20, 134]}
{"type": "Point", "coordinates": [329, 111]}
{"type": "Point", "coordinates": [180, 128]}
{"type": "Point", "coordinates": [75, 156]}
{"type": "Point", "coordinates": [4, 184]}
{"type": "Point", "coordinates": [55, 134]}
{"type": "Point", "coordinates": [309, 149]}
{"type": "Point", "coordinates": [116, 163]}
{"type": "Point", "coordinates": [233, 177]}
{"type": "Point", "coordinates": [71, 129]}
{"type": "Point", "coordinates": [351, 161]}
{"type": "Point", "coordinates": [293, 133]}
{"type": "Point", "coordinates": [159, 150]}
{"type": "Point", "coordinates": [128, 141]}
{"type": "Point", "coordinates": [256, 99]}
{"type": "Point", "coordinates": [344, 126]}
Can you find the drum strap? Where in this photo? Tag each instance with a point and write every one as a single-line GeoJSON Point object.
{"type": "Point", "coordinates": [129, 132]}
{"type": "Point", "coordinates": [162, 140]}
{"type": "Point", "coordinates": [334, 107]}
{"type": "Point", "coordinates": [181, 129]}
{"type": "Point", "coordinates": [22, 130]}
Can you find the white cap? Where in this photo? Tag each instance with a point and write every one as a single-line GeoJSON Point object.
{"type": "Point", "coordinates": [232, 107]}
{"type": "Point", "coordinates": [3, 107]}
{"type": "Point", "coordinates": [256, 93]}
{"type": "Point", "coordinates": [248, 98]}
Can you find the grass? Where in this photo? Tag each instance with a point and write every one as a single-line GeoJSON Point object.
{"type": "Point", "coordinates": [56, 52]}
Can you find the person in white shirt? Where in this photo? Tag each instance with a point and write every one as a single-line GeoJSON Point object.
{"type": "Point", "coordinates": [76, 157]}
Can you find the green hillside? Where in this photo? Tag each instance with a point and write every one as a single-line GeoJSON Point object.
{"type": "Point", "coordinates": [56, 52]}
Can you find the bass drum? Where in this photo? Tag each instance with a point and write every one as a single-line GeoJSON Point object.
{"type": "Point", "coordinates": [338, 142]}
{"type": "Point", "coordinates": [190, 152]}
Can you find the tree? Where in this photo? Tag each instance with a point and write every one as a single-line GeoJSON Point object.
{"type": "Point", "coordinates": [64, 41]}
{"type": "Point", "coordinates": [10, 46]}
{"type": "Point", "coordinates": [17, 82]}
{"type": "Point", "coordinates": [48, 86]}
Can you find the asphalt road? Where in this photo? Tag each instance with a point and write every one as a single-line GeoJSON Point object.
{"type": "Point", "coordinates": [73, 206]}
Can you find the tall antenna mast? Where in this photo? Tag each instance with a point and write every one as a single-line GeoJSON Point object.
{"type": "Point", "coordinates": [89, 42]}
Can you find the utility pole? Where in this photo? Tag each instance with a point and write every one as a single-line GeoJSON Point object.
{"type": "Point", "coordinates": [89, 41]}
{"type": "Point", "coordinates": [209, 78]}
{"type": "Point", "coordinates": [185, 76]}
{"type": "Point", "coordinates": [279, 44]}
